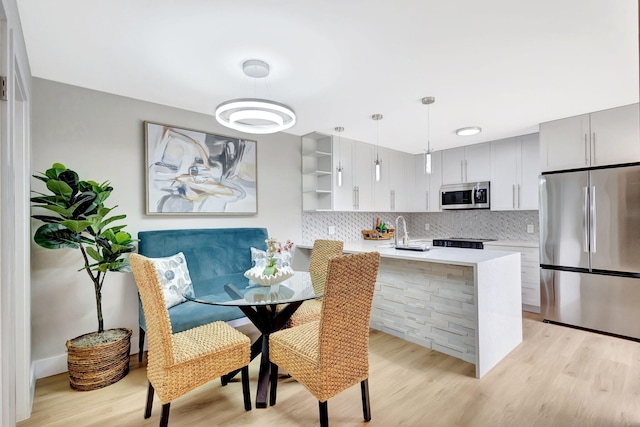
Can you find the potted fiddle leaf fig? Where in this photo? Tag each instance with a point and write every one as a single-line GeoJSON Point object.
{"type": "Point", "coordinates": [75, 217]}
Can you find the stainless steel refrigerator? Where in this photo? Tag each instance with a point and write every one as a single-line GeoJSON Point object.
{"type": "Point", "coordinates": [590, 249]}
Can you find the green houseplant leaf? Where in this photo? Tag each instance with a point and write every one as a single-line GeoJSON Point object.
{"type": "Point", "coordinates": [78, 219]}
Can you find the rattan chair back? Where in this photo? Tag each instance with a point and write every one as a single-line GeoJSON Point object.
{"type": "Point", "coordinates": [343, 348]}
{"type": "Point", "coordinates": [323, 251]}
{"type": "Point", "coordinates": [159, 331]}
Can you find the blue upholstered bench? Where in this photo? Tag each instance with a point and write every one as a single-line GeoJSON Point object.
{"type": "Point", "coordinates": [215, 257]}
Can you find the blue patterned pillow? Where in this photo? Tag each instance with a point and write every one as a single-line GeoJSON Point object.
{"type": "Point", "coordinates": [259, 258]}
{"type": "Point", "coordinates": [174, 278]}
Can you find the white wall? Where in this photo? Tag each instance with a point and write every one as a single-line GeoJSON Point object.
{"type": "Point", "coordinates": [101, 136]}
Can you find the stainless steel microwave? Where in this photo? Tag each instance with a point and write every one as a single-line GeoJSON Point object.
{"type": "Point", "coordinates": [465, 196]}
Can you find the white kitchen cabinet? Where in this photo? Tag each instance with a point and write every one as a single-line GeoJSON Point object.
{"type": "Point", "coordinates": [343, 195]}
{"type": "Point", "coordinates": [401, 182]}
{"type": "Point", "coordinates": [466, 164]}
{"type": "Point", "coordinates": [615, 136]}
{"type": "Point", "coordinates": [356, 191]}
{"type": "Point", "coordinates": [317, 172]}
{"type": "Point", "coordinates": [363, 169]}
{"type": "Point", "coordinates": [530, 270]}
{"type": "Point", "coordinates": [426, 195]}
{"type": "Point", "coordinates": [514, 177]}
{"type": "Point", "coordinates": [601, 138]}
{"type": "Point", "coordinates": [382, 188]}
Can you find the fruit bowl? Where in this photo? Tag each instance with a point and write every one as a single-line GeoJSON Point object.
{"type": "Point", "coordinates": [255, 275]}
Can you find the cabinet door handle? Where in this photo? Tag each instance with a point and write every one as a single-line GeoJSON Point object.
{"type": "Point", "coordinates": [518, 196]}
{"type": "Point", "coordinates": [392, 199]}
{"type": "Point", "coordinates": [593, 157]}
{"type": "Point", "coordinates": [353, 197]}
{"type": "Point", "coordinates": [513, 196]}
{"type": "Point", "coordinates": [466, 171]}
{"type": "Point", "coordinates": [586, 159]}
{"type": "Point", "coordinates": [461, 171]}
{"type": "Point", "coordinates": [358, 197]}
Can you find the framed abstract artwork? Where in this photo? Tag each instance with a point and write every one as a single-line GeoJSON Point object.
{"type": "Point", "coordinates": [194, 172]}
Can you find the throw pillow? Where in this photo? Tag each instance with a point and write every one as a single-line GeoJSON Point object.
{"type": "Point", "coordinates": [174, 278]}
{"type": "Point", "coordinates": [259, 258]}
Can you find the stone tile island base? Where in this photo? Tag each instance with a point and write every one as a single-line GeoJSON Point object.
{"type": "Point", "coordinates": [436, 306]}
{"type": "Point", "coordinates": [466, 303]}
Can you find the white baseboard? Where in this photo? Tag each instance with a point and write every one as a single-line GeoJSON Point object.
{"type": "Point", "coordinates": [50, 366]}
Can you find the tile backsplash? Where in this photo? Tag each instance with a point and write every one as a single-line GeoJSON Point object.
{"type": "Point", "coordinates": [501, 225]}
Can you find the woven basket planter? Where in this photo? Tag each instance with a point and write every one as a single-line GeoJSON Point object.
{"type": "Point", "coordinates": [98, 366]}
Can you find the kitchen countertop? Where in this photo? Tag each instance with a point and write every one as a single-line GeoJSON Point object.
{"type": "Point", "coordinates": [440, 255]}
{"type": "Point", "coordinates": [521, 243]}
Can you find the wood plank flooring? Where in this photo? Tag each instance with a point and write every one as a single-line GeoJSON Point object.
{"type": "Point", "coordinates": [557, 377]}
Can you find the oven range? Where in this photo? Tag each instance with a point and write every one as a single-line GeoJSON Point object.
{"type": "Point", "coordinates": [461, 242]}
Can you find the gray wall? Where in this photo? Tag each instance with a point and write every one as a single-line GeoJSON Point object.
{"type": "Point", "coordinates": [101, 136]}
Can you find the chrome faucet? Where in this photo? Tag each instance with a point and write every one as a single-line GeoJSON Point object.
{"type": "Point", "coordinates": [405, 235]}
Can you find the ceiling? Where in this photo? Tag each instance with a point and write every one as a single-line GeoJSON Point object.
{"type": "Point", "coordinates": [504, 65]}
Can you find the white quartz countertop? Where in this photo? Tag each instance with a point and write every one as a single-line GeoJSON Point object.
{"type": "Point", "coordinates": [434, 254]}
{"type": "Point", "coordinates": [520, 243]}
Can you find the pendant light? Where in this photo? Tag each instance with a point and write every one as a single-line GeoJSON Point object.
{"type": "Point", "coordinates": [428, 100]}
{"type": "Point", "coordinates": [377, 163]}
{"type": "Point", "coordinates": [339, 129]}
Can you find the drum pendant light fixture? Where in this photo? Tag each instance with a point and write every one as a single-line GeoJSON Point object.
{"type": "Point", "coordinates": [255, 115]}
{"type": "Point", "coordinates": [428, 100]}
{"type": "Point", "coordinates": [339, 129]}
{"type": "Point", "coordinates": [377, 163]}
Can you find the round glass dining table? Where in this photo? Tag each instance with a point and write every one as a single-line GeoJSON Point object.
{"type": "Point", "coordinates": [269, 308]}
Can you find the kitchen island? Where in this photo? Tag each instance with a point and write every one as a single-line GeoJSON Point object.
{"type": "Point", "coordinates": [462, 302]}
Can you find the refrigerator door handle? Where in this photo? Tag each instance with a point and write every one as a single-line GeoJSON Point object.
{"type": "Point", "coordinates": [592, 219]}
{"type": "Point", "coordinates": [585, 220]}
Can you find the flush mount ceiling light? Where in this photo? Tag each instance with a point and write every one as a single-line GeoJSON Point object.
{"type": "Point", "coordinates": [468, 131]}
{"type": "Point", "coordinates": [428, 100]}
{"type": "Point", "coordinates": [254, 115]}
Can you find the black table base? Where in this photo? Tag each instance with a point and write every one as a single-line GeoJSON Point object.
{"type": "Point", "coordinates": [267, 320]}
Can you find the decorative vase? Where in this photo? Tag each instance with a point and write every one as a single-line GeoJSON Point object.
{"type": "Point", "coordinates": [95, 366]}
{"type": "Point", "coordinates": [255, 275]}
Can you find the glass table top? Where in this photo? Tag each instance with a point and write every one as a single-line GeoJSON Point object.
{"type": "Point", "coordinates": [302, 286]}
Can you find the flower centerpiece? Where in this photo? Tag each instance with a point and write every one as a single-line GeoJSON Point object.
{"type": "Point", "coordinates": [274, 265]}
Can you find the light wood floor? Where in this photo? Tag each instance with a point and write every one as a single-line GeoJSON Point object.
{"type": "Point", "coordinates": [557, 377]}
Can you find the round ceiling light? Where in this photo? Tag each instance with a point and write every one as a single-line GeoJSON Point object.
{"type": "Point", "coordinates": [468, 131]}
{"type": "Point", "coordinates": [253, 115]}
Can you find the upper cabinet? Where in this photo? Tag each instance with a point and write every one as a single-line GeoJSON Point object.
{"type": "Point", "coordinates": [317, 172]}
{"type": "Point", "coordinates": [393, 191]}
{"type": "Point", "coordinates": [466, 164]}
{"type": "Point", "coordinates": [605, 137]}
{"type": "Point", "coordinates": [355, 191]}
{"type": "Point", "coordinates": [514, 179]}
{"type": "Point", "coordinates": [402, 182]}
{"type": "Point", "coordinates": [382, 188]}
{"type": "Point", "coordinates": [427, 186]}
{"type": "Point", "coordinates": [343, 190]}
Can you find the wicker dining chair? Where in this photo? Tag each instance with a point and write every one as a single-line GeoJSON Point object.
{"type": "Point", "coordinates": [329, 355]}
{"type": "Point", "coordinates": [323, 251]}
{"type": "Point", "coordinates": [178, 363]}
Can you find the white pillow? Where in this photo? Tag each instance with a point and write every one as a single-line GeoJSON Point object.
{"type": "Point", "coordinates": [174, 278]}
{"type": "Point", "coordinates": [259, 258]}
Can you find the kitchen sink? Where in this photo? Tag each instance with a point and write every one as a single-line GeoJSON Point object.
{"type": "Point", "coordinates": [414, 245]}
